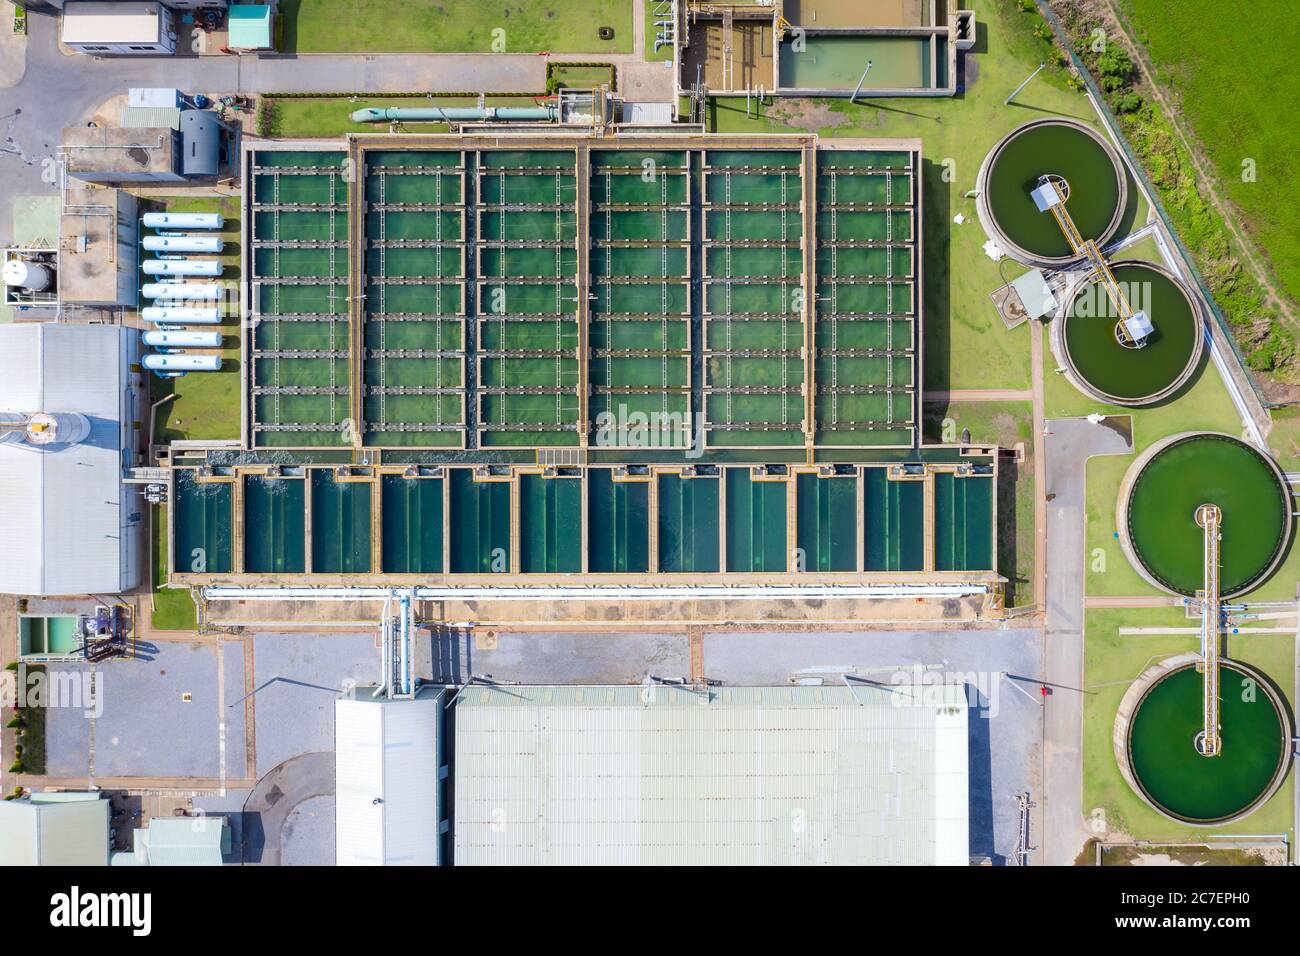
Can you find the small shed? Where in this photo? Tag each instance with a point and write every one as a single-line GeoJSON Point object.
{"type": "Point", "coordinates": [54, 829]}
{"type": "Point", "coordinates": [250, 27]}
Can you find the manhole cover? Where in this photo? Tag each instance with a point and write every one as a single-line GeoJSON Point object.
{"type": "Point", "coordinates": [606, 33]}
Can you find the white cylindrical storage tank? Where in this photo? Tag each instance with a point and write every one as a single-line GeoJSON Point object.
{"type": "Point", "coordinates": [192, 291]}
{"type": "Point", "coordinates": [184, 220]}
{"type": "Point", "coordinates": [13, 427]}
{"type": "Point", "coordinates": [182, 267]}
{"type": "Point", "coordinates": [178, 313]}
{"type": "Point", "coordinates": [57, 428]}
{"type": "Point", "coordinates": [184, 243]}
{"type": "Point", "coordinates": [182, 362]}
{"type": "Point", "coordinates": [163, 339]}
{"type": "Point", "coordinates": [31, 276]}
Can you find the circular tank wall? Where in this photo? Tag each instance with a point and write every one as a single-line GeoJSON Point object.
{"type": "Point", "coordinates": [1100, 366]}
{"type": "Point", "coordinates": [1155, 733]}
{"type": "Point", "coordinates": [1157, 512]}
{"type": "Point", "coordinates": [1098, 189]}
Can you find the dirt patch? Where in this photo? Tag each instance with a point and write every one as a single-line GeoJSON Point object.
{"type": "Point", "coordinates": [805, 114]}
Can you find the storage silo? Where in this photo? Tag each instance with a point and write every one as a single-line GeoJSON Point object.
{"type": "Point", "coordinates": [183, 243]}
{"type": "Point", "coordinates": [200, 143]}
{"type": "Point", "coordinates": [57, 428]}
{"type": "Point", "coordinates": [31, 276]}
{"type": "Point", "coordinates": [182, 267]}
{"type": "Point", "coordinates": [184, 220]}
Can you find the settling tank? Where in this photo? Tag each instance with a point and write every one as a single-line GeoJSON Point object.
{"type": "Point", "coordinates": [1109, 371]}
{"type": "Point", "coordinates": [182, 362]}
{"type": "Point", "coordinates": [183, 243]}
{"type": "Point", "coordinates": [1156, 748]}
{"type": "Point", "coordinates": [182, 267]}
{"type": "Point", "coordinates": [1157, 512]}
{"type": "Point", "coordinates": [171, 339]}
{"type": "Point", "coordinates": [184, 220]}
{"type": "Point", "coordinates": [1094, 177]}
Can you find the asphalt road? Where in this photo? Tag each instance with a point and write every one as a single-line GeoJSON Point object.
{"type": "Point", "coordinates": [1070, 443]}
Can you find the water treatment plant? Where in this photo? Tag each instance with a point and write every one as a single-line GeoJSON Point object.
{"type": "Point", "coordinates": [794, 432]}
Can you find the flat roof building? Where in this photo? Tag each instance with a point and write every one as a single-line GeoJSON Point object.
{"type": "Point", "coordinates": [72, 526]}
{"type": "Point", "coordinates": [132, 154]}
{"type": "Point", "coordinates": [118, 29]}
{"type": "Point", "coordinates": [387, 768]}
{"type": "Point", "coordinates": [734, 776]}
{"type": "Point", "coordinates": [54, 829]}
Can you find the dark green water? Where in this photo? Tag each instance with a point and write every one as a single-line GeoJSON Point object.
{"type": "Point", "coordinates": [828, 522]}
{"type": "Point", "coordinates": [412, 525]}
{"type": "Point", "coordinates": [1132, 373]}
{"type": "Point", "coordinates": [894, 523]}
{"type": "Point", "coordinates": [275, 525]}
{"type": "Point", "coordinates": [618, 535]}
{"type": "Point", "coordinates": [1195, 471]}
{"type": "Point", "coordinates": [1180, 780]}
{"type": "Point", "coordinates": [688, 525]}
{"type": "Point", "coordinates": [963, 527]}
{"type": "Point", "coordinates": [480, 524]}
{"type": "Point", "coordinates": [1065, 151]}
{"type": "Point", "coordinates": [755, 523]}
{"type": "Point", "coordinates": [340, 525]}
{"type": "Point", "coordinates": [202, 525]}
{"type": "Point", "coordinates": [550, 524]}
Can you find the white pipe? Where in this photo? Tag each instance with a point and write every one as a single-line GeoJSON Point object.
{"type": "Point", "coordinates": [220, 592]}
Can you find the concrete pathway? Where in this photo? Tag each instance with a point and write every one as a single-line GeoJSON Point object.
{"type": "Point", "coordinates": [1070, 442]}
{"type": "Point", "coordinates": [980, 395]}
{"type": "Point", "coordinates": [274, 799]}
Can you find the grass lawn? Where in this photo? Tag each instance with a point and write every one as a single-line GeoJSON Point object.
{"type": "Point", "coordinates": [1005, 423]}
{"type": "Point", "coordinates": [207, 403]}
{"type": "Point", "coordinates": [569, 76]}
{"type": "Point", "coordinates": [648, 53]}
{"type": "Point", "coordinates": [1230, 85]}
{"type": "Point", "coordinates": [173, 610]}
{"type": "Point", "coordinates": [1111, 663]}
{"type": "Point", "coordinates": [33, 732]}
{"type": "Point", "coordinates": [454, 26]}
{"type": "Point", "coordinates": [966, 343]}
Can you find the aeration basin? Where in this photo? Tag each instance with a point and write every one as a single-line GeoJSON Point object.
{"type": "Point", "coordinates": [1157, 512]}
{"type": "Point", "coordinates": [1097, 190]}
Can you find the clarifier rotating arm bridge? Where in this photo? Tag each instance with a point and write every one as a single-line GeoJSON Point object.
{"type": "Point", "coordinates": [1210, 518]}
{"type": "Point", "coordinates": [1089, 249]}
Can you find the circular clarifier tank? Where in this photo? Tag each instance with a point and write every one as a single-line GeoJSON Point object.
{"type": "Point", "coordinates": [1157, 512]}
{"type": "Point", "coordinates": [1101, 365]}
{"type": "Point", "coordinates": [1155, 741]}
{"type": "Point", "coordinates": [1065, 150]}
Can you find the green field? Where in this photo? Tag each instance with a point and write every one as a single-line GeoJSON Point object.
{"type": "Point", "coordinates": [1235, 82]}
{"type": "Point", "coordinates": [453, 26]}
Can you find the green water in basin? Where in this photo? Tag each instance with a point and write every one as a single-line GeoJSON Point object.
{"type": "Point", "coordinates": [1127, 373]}
{"type": "Point", "coordinates": [837, 62]}
{"type": "Point", "coordinates": [1207, 469]}
{"type": "Point", "coordinates": [1178, 778]}
{"type": "Point", "coordinates": [1063, 150]}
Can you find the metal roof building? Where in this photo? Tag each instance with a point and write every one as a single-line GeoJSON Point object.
{"type": "Point", "coordinates": [54, 829]}
{"type": "Point", "coordinates": [71, 525]}
{"type": "Point", "coordinates": [736, 776]}
{"type": "Point", "coordinates": [178, 841]}
{"type": "Point", "coordinates": [387, 763]}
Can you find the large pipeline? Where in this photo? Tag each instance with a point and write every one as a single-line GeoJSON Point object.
{"type": "Point", "coordinates": [460, 114]}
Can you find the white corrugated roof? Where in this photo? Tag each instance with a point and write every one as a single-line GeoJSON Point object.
{"type": "Point", "coordinates": [739, 776]}
{"type": "Point", "coordinates": [66, 833]}
{"type": "Point", "coordinates": [63, 510]}
{"type": "Point", "coordinates": [387, 804]}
